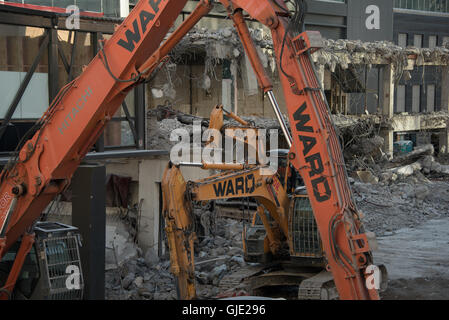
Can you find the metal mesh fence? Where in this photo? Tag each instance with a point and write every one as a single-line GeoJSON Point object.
{"type": "Point", "coordinates": [62, 260]}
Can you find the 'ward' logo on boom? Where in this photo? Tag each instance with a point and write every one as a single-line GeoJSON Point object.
{"type": "Point", "coordinates": [320, 184]}
{"type": "Point", "coordinates": [239, 186]}
{"type": "Point", "coordinates": [139, 27]}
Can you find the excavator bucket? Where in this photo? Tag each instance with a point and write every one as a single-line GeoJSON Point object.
{"type": "Point", "coordinates": [180, 231]}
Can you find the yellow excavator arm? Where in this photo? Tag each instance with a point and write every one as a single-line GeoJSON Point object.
{"type": "Point", "coordinates": [178, 196]}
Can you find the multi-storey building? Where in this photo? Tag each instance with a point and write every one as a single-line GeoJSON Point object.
{"type": "Point", "coordinates": [110, 8]}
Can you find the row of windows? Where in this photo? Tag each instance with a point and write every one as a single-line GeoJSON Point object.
{"type": "Point", "coordinates": [403, 41]}
{"type": "Point", "coordinates": [109, 7]}
{"type": "Point", "coordinates": [416, 100]}
{"type": "Point", "coordinates": [423, 5]}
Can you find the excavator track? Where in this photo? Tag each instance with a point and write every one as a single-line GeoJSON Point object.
{"type": "Point", "coordinates": [239, 279]}
{"type": "Point", "coordinates": [319, 287]}
{"type": "Point", "coordinates": [256, 279]}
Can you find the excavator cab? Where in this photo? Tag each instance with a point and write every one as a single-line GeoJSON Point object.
{"type": "Point", "coordinates": [305, 244]}
{"type": "Point", "coordinates": [304, 240]}
{"type": "Point", "coordinates": [52, 269]}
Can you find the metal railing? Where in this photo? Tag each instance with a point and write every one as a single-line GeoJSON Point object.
{"type": "Point", "coordinates": [108, 7]}
{"type": "Point", "coordinates": [423, 5]}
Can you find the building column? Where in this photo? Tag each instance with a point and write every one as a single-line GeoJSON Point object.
{"type": "Point", "coordinates": [445, 89]}
{"type": "Point", "coordinates": [124, 8]}
{"type": "Point", "coordinates": [444, 135]}
{"type": "Point", "coordinates": [444, 141]}
{"type": "Point", "coordinates": [321, 75]}
{"type": "Point", "coordinates": [89, 216]}
{"type": "Point", "coordinates": [53, 58]}
{"type": "Point", "coordinates": [388, 106]}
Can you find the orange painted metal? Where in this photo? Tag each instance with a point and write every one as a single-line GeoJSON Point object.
{"type": "Point", "coordinates": [223, 166]}
{"type": "Point", "coordinates": [179, 228]}
{"type": "Point", "coordinates": [25, 247]}
{"type": "Point", "coordinates": [78, 115]}
{"type": "Point", "coordinates": [202, 9]}
{"type": "Point", "coordinates": [316, 154]}
{"type": "Point", "coordinates": [251, 51]}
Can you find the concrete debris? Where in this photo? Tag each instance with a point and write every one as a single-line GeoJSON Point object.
{"type": "Point", "coordinates": [163, 120]}
{"type": "Point", "coordinates": [225, 44]}
{"type": "Point", "coordinates": [119, 246]}
{"type": "Point", "coordinates": [403, 192]}
{"type": "Point", "coordinates": [220, 44]}
{"type": "Point", "coordinates": [407, 170]}
{"type": "Point", "coordinates": [151, 258]}
{"type": "Point", "coordinates": [149, 278]}
{"type": "Point", "coordinates": [129, 278]}
{"type": "Point", "coordinates": [408, 203]}
{"type": "Point", "coordinates": [431, 166]}
{"type": "Point", "coordinates": [418, 164]}
{"type": "Point", "coordinates": [417, 153]}
{"type": "Point", "coordinates": [367, 177]}
{"type": "Point", "coordinates": [344, 53]}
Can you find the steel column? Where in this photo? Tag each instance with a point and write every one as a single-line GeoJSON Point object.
{"type": "Point", "coordinates": [53, 72]}
{"type": "Point", "coordinates": [140, 116]}
{"type": "Point", "coordinates": [89, 216]}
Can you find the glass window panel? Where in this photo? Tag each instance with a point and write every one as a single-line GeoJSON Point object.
{"type": "Point", "coordinates": [402, 40]}
{"type": "Point", "coordinates": [417, 42]}
{"type": "Point", "coordinates": [400, 99]}
{"type": "Point", "coordinates": [432, 42]}
{"type": "Point", "coordinates": [416, 103]}
{"type": "Point", "coordinates": [89, 5]}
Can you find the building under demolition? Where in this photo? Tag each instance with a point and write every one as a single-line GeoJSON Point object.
{"type": "Point", "coordinates": [383, 68]}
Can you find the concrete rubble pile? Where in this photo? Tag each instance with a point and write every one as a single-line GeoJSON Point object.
{"type": "Point", "coordinates": [148, 277]}
{"type": "Point", "coordinates": [357, 133]}
{"type": "Point", "coordinates": [419, 163]}
{"type": "Point", "coordinates": [405, 204]}
{"type": "Point", "coordinates": [163, 120]}
{"type": "Point", "coordinates": [403, 192]}
{"type": "Point", "coordinates": [361, 144]}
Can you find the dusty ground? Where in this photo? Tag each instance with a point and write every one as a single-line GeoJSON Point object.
{"type": "Point", "coordinates": [411, 221]}
{"type": "Point", "coordinates": [417, 289]}
{"type": "Point", "coordinates": [417, 260]}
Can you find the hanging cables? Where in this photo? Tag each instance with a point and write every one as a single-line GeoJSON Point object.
{"type": "Point", "coordinates": [281, 7]}
{"type": "Point", "coordinates": [295, 26]}
{"type": "Point", "coordinates": [108, 68]}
